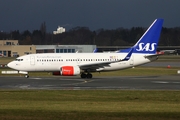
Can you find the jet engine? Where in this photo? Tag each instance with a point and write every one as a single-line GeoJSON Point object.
{"type": "Point", "coordinates": [68, 71]}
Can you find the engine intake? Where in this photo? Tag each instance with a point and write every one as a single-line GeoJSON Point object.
{"type": "Point", "coordinates": [68, 71]}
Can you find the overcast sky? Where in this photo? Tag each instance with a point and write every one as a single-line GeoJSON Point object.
{"type": "Point", "coordinates": [95, 14]}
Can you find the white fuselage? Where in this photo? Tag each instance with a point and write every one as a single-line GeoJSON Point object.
{"type": "Point", "coordinates": [54, 61]}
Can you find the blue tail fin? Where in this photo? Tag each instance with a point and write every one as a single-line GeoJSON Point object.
{"type": "Point", "coordinates": [147, 44]}
{"type": "Point", "coordinates": [149, 41]}
{"type": "Point", "coordinates": [95, 50]}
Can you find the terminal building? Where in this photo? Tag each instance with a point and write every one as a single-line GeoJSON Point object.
{"type": "Point", "coordinates": [65, 48]}
{"type": "Point", "coordinates": [11, 48]}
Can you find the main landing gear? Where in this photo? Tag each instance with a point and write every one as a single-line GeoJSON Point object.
{"type": "Point", "coordinates": [88, 75]}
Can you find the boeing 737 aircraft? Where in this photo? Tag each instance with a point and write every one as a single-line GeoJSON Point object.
{"type": "Point", "coordinates": [70, 64]}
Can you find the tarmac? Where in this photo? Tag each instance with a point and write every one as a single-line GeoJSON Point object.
{"type": "Point", "coordinates": [96, 83]}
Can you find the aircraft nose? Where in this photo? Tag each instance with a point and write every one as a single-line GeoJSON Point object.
{"type": "Point", "coordinates": [10, 65]}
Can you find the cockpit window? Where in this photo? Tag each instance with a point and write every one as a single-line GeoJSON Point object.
{"type": "Point", "coordinates": [18, 59]}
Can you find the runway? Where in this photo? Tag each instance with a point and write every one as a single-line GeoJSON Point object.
{"type": "Point", "coordinates": [162, 64]}
{"type": "Point", "coordinates": [102, 83]}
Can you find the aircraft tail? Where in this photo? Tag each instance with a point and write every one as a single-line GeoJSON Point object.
{"type": "Point", "coordinates": [95, 50]}
{"type": "Point", "coordinates": [147, 44]}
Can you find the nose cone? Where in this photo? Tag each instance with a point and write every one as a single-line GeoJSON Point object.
{"type": "Point", "coordinates": [10, 65]}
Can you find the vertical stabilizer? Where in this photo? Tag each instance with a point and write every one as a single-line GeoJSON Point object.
{"type": "Point", "coordinates": [148, 42]}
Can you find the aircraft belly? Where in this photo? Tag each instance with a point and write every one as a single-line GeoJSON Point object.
{"type": "Point", "coordinates": [25, 67]}
{"type": "Point", "coordinates": [44, 67]}
{"type": "Point", "coordinates": [141, 60]}
{"type": "Point", "coordinates": [116, 66]}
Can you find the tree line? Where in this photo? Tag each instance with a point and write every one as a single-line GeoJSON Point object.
{"type": "Point", "coordinates": [84, 36]}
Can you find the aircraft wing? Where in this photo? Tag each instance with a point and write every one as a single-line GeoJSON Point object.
{"type": "Point", "coordinates": [104, 64]}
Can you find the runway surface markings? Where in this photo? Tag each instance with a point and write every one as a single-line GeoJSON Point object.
{"type": "Point", "coordinates": [164, 82]}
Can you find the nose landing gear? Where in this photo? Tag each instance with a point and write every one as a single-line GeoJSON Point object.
{"type": "Point", "coordinates": [26, 76]}
{"type": "Point", "coordinates": [24, 73]}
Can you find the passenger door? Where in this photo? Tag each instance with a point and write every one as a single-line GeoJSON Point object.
{"type": "Point", "coordinates": [32, 60]}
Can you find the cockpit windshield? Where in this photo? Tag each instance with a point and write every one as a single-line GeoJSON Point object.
{"type": "Point", "coordinates": [18, 60]}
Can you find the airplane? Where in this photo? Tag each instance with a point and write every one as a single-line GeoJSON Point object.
{"type": "Point", "coordinates": [83, 64]}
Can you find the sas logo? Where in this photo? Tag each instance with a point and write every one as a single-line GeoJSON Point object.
{"type": "Point", "coordinates": [146, 47]}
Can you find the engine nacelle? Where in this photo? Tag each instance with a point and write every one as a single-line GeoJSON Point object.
{"type": "Point", "coordinates": [68, 71]}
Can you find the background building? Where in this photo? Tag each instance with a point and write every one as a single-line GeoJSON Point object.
{"type": "Point", "coordinates": [59, 30]}
{"type": "Point", "coordinates": [11, 48]}
{"type": "Point", "coordinates": [65, 48]}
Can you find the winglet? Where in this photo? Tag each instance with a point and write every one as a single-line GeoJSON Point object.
{"type": "Point", "coordinates": [128, 56]}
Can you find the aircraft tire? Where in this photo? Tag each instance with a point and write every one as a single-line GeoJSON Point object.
{"type": "Point", "coordinates": [89, 75]}
{"type": "Point", "coordinates": [83, 75]}
{"type": "Point", "coordinates": [26, 76]}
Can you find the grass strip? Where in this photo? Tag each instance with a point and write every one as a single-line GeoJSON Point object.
{"type": "Point", "coordinates": [89, 104]}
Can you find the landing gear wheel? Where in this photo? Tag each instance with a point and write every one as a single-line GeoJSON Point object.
{"type": "Point", "coordinates": [89, 75]}
{"type": "Point", "coordinates": [26, 76]}
{"type": "Point", "coordinates": [83, 75]}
